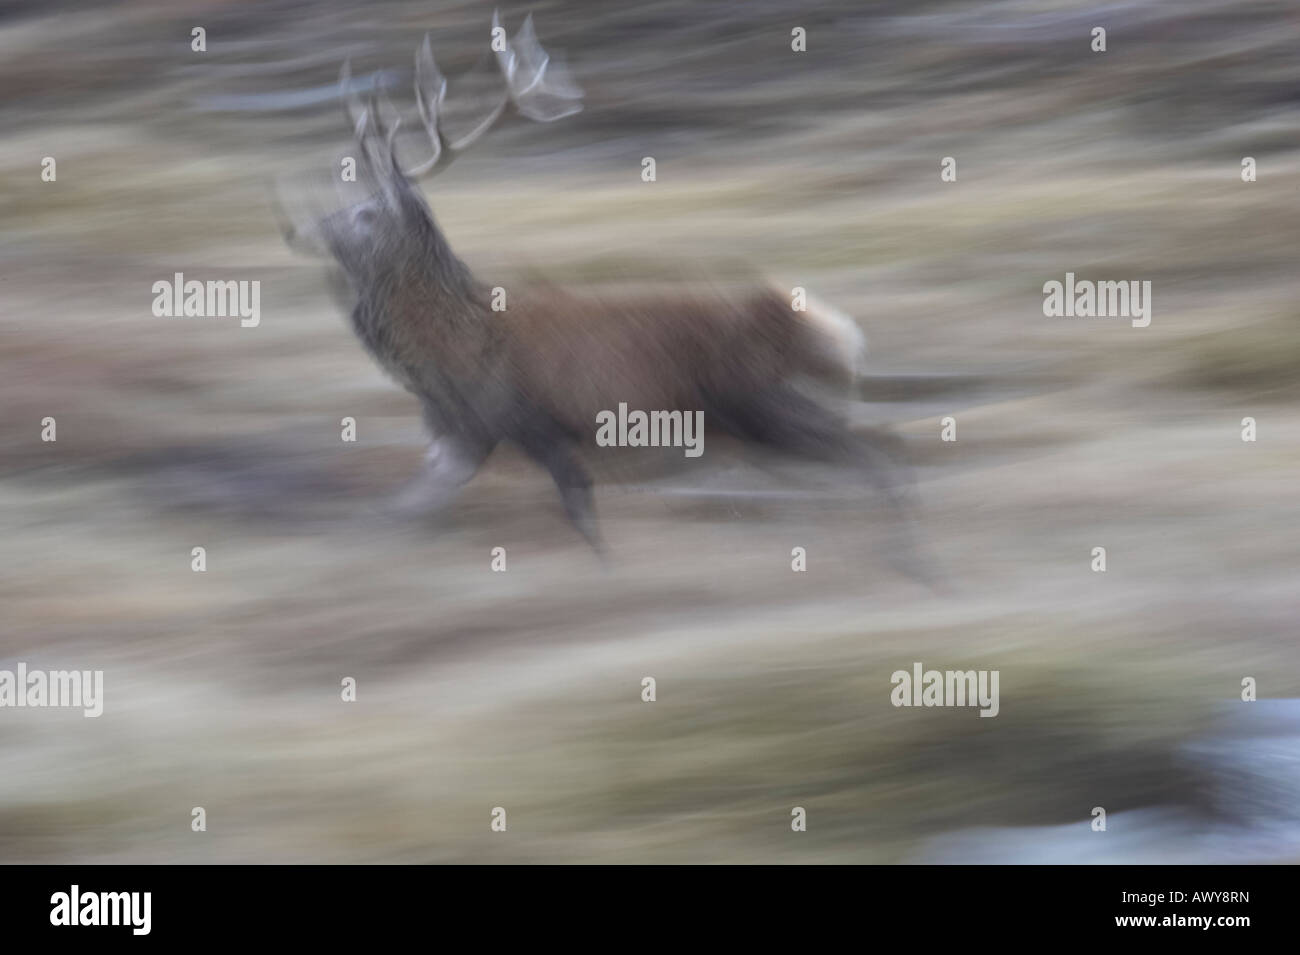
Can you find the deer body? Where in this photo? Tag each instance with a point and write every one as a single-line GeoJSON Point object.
{"type": "Point", "coordinates": [538, 373]}
{"type": "Point", "coordinates": [575, 356]}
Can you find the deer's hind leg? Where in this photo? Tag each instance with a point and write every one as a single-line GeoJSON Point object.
{"type": "Point", "coordinates": [788, 421]}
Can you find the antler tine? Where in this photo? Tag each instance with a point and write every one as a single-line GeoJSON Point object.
{"type": "Point", "coordinates": [353, 111]}
{"type": "Point", "coordinates": [541, 90]}
{"type": "Point", "coordinates": [430, 92]}
{"type": "Point", "coordinates": [536, 93]}
{"type": "Point", "coordinates": [380, 105]}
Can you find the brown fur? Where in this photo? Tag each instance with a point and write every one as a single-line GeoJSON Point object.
{"type": "Point", "coordinates": [538, 373]}
{"type": "Point", "coordinates": [576, 356]}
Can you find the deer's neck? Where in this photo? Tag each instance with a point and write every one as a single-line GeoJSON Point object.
{"type": "Point", "coordinates": [452, 288]}
{"type": "Point", "coordinates": [426, 318]}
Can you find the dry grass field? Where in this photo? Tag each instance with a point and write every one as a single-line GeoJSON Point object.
{"type": "Point", "coordinates": [523, 689]}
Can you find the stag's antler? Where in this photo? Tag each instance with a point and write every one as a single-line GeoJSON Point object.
{"type": "Point", "coordinates": [539, 89]}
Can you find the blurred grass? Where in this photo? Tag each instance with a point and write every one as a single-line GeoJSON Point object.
{"type": "Point", "coordinates": [522, 689]}
{"type": "Point", "coordinates": [1259, 360]}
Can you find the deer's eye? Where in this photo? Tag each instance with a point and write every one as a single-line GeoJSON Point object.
{"type": "Point", "coordinates": [365, 216]}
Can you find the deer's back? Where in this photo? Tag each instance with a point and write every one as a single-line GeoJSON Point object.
{"type": "Point", "coordinates": [581, 355]}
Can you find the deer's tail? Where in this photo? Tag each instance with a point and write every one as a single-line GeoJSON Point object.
{"type": "Point", "coordinates": [830, 343]}
{"type": "Point", "coordinates": [837, 339]}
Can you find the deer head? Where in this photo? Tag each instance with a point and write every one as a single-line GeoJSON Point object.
{"type": "Point", "coordinates": [367, 237]}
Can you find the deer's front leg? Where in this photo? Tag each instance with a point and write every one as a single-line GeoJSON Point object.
{"type": "Point", "coordinates": [449, 464]}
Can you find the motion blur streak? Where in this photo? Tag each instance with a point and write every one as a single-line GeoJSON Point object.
{"type": "Point", "coordinates": [522, 689]}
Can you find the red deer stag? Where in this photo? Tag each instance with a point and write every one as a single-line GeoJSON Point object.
{"type": "Point", "coordinates": [539, 373]}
